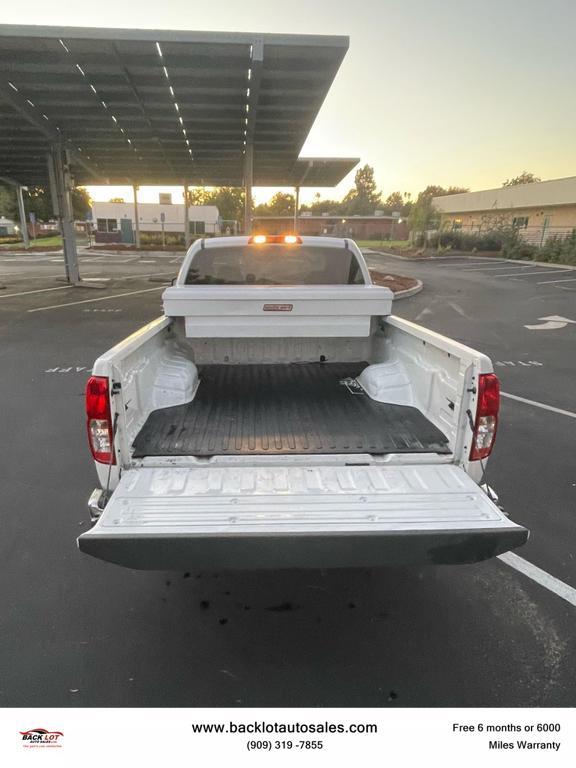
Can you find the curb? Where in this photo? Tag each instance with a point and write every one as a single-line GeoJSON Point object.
{"type": "Point", "coordinates": [410, 291]}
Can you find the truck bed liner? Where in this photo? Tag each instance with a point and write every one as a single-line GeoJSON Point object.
{"type": "Point", "coordinates": [297, 408]}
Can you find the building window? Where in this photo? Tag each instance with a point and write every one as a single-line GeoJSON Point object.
{"type": "Point", "coordinates": [197, 227]}
{"type": "Point", "coordinates": [520, 222]}
{"type": "Point", "coordinates": [106, 225]}
{"type": "Point", "coordinates": [457, 224]}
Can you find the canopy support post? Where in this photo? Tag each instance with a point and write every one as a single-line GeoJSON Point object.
{"type": "Point", "coordinates": [61, 186]}
{"type": "Point", "coordinates": [22, 215]}
{"type": "Point", "coordinates": [248, 183]}
{"type": "Point", "coordinates": [136, 215]}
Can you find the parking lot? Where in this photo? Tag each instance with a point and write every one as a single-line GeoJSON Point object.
{"type": "Point", "coordinates": [80, 632]}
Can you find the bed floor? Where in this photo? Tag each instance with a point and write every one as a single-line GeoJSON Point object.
{"type": "Point", "coordinates": [296, 408]}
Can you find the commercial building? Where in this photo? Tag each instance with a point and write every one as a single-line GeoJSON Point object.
{"type": "Point", "coordinates": [374, 227]}
{"type": "Point", "coordinates": [537, 210]}
{"type": "Point", "coordinates": [116, 222]}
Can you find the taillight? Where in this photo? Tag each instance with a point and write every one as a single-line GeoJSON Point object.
{"type": "Point", "coordinates": [486, 416]}
{"type": "Point", "coordinates": [99, 423]}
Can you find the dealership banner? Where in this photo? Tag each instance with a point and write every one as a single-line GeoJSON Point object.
{"type": "Point", "coordinates": [186, 738]}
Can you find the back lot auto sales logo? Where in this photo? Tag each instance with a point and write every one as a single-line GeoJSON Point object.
{"type": "Point", "coordinates": [40, 737]}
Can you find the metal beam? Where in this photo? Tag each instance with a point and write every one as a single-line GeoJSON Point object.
{"type": "Point", "coordinates": [187, 238]}
{"type": "Point", "coordinates": [296, 205]}
{"type": "Point", "coordinates": [22, 214]}
{"type": "Point", "coordinates": [136, 215]}
{"type": "Point", "coordinates": [253, 98]}
{"type": "Point", "coordinates": [29, 113]}
{"type": "Point", "coordinates": [61, 186]}
{"type": "Point", "coordinates": [248, 184]}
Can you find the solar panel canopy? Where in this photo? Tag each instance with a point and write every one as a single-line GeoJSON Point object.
{"type": "Point", "coordinates": [165, 107]}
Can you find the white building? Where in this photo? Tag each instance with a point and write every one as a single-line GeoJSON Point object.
{"type": "Point", "coordinates": [8, 227]}
{"type": "Point", "coordinates": [115, 222]}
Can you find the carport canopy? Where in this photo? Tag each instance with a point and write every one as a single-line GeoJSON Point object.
{"type": "Point", "coordinates": [163, 107]}
{"type": "Point", "coordinates": [121, 106]}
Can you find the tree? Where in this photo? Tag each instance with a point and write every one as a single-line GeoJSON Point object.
{"type": "Point", "coordinates": [37, 200]}
{"type": "Point", "coordinates": [524, 178]}
{"type": "Point", "coordinates": [81, 203]}
{"type": "Point", "coordinates": [280, 204]}
{"type": "Point", "coordinates": [423, 215]}
{"type": "Point", "coordinates": [8, 204]}
{"type": "Point", "coordinates": [319, 206]}
{"type": "Point", "coordinates": [394, 201]}
{"type": "Point", "coordinates": [228, 200]}
{"type": "Point", "coordinates": [364, 198]}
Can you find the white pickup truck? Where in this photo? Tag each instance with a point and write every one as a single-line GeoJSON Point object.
{"type": "Point", "coordinates": [278, 415]}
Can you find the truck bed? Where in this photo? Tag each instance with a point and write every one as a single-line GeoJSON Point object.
{"type": "Point", "coordinates": [297, 408]}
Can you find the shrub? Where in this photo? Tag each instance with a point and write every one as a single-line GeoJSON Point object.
{"type": "Point", "coordinates": [473, 241]}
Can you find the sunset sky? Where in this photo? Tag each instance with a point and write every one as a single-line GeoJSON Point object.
{"type": "Point", "coordinates": [451, 92]}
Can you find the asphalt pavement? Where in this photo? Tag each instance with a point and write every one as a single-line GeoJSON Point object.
{"type": "Point", "coordinates": [80, 632]}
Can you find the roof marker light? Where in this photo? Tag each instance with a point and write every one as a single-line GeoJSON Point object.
{"type": "Point", "coordinates": [63, 44]}
{"type": "Point", "coordinates": [159, 49]}
{"type": "Point", "coordinates": [31, 103]}
{"type": "Point", "coordinates": [176, 107]}
{"type": "Point", "coordinates": [257, 239]}
{"type": "Point", "coordinates": [292, 239]}
{"type": "Point", "coordinates": [129, 141]}
{"type": "Point", "coordinates": [171, 90]}
{"type": "Point", "coordinates": [247, 93]}
{"type": "Point", "coordinates": [79, 68]}
{"type": "Point", "coordinates": [104, 104]}
{"type": "Point", "coordinates": [45, 116]}
{"type": "Point", "coordinates": [94, 89]}
{"type": "Point", "coordinates": [181, 121]}
{"type": "Point", "coordinates": [165, 73]}
{"type": "Point", "coordinates": [249, 74]}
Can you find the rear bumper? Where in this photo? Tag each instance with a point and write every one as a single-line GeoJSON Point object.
{"type": "Point", "coordinates": [153, 551]}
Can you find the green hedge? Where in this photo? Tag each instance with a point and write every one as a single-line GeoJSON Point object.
{"type": "Point", "coordinates": [464, 241]}
{"type": "Point", "coordinates": [558, 250]}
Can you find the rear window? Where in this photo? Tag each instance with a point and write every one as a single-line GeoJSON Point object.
{"type": "Point", "coordinates": [274, 264]}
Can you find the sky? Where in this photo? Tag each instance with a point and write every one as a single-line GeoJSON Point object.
{"type": "Point", "coordinates": [449, 92]}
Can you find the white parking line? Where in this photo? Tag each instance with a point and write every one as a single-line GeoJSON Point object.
{"type": "Point", "coordinates": [535, 403]}
{"type": "Point", "coordinates": [518, 267]}
{"type": "Point", "coordinates": [567, 280]}
{"type": "Point", "coordinates": [545, 272]}
{"type": "Point", "coordinates": [39, 290]}
{"type": "Point", "coordinates": [469, 264]}
{"type": "Point", "coordinates": [100, 298]}
{"type": "Point", "coordinates": [551, 583]}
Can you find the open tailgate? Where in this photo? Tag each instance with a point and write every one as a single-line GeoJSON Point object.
{"type": "Point", "coordinates": [298, 516]}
